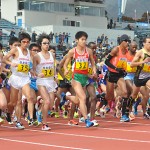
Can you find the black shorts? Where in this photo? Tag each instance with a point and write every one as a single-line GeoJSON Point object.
{"type": "Point", "coordinates": [140, 82]}
{"type": "Point", "coordinates": [63, 84]}
{"type": "Point", "coordinates": [113, 77]}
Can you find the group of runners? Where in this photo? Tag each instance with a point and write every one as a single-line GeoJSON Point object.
{"type": "Point", "coordinates": [34, 85]}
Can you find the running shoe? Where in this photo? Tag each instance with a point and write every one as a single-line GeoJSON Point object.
{"type": "Point", "coordinates": [45, 127]}
{"type": "Point", "coordinates": [56, 114]}
{"type": "Point", "coordinates": [97, 113]}
{"type": "Point", "coordinates": [88, 123]}
{"type": "Point", "coordinates": [146, 116]}
{"type": "Point", "coordinates": [95, 123]}
{"type": "Point", "coordinates": [30, 122]}
{"type": "Point", "coordinates": [1, 121]}
{"type": "Point", "coordinates": [65, 115]}
{"type": "Point", "coordinates": [72, 123]}
{"type": "Point", "coordinates": [124, 118]}
{"type": "Point", "coordinates": [76, 115]}
{"type": "Point", "coordinates": [19, 126]}
{"type": "Point", "coordinates": [131, 116]}
{"type": "Point", "coordinates": [81, 119]}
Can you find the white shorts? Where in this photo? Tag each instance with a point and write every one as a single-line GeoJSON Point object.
{"type": "Point", "coordinates": [18, 82]}
{"type": "Point", "coordinates": [50, 84]}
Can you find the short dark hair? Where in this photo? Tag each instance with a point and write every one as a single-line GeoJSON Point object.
{"type": "Point", "coordinates": [52, 47]}
{"type": "Point", "coordinates": [90, 43]}
{"type": "Point", "coordinates": [41, 37]}
{"type": "Point", "coordinates": [12, 40]}
{"type": "Point", "coordinates": [144, 40]}
{"type": "Point", "coordinates": [24, 36]}
{"type": "Point", "coordinates": [80, 34]}
{"type": "Point", "coordinates": [33, 45]}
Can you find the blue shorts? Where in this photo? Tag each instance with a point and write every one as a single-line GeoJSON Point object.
{"type": "Point", "coordinates": [33, 85]}
{"type": "Point", "coordinates": [6, 84]}
{"type": "Point", "coordinates": [102, 81]}
{"type": "Point", "coordinates": [91, 81]}
{"type": "Point", "coordinates": [129, 76]}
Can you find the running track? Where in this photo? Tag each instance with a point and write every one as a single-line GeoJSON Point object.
{"type": "Point", "coordinates": [111, 134]}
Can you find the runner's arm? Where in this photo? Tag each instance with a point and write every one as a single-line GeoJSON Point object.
{"type": "Point", "coordinates": [68, 59]}
{"type": "Point", "coordinates": [112, 54]}
{"type": "Point", "coordinates": [135, 62]}
{"type": "Point", "coordinates": [11, 53]}
{"type": "Point", "coordinates": [61, 65]}
{"type": "Point", "coordinates": [92, 62]}
{"type": "Point", "coordinates": [35, 63]}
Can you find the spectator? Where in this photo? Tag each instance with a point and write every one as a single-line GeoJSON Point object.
{"type": "Point", "coordinates": [99, 40]}
{"type": "Point", "coordinates": [111, 23]}
{"type": "Point", "coordinates": [12, 33]}
{"type": "Point", "coordinates": [56, 38]}
{"type": "Point", "coordinates": [114, 24]}
{"type": "Point", "coordinates": [102, 37]}
{"type": "Point", "coordinates": [51, 35]}
{"type": "Point", "coordinates": [118, 40]}
{"type": "Point", "coordinates": [33, 36]}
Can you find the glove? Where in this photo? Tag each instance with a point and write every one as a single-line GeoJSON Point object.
{"type": "Point", "coordinates": [121, 71]}
{"type": "Point", "coordinates": [3, 76]}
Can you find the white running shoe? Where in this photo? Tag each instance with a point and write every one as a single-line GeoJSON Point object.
{"type": "Point", "coordinates": [19, 126]}
{"type": "Point", "coordinates": [95, 123]}
{"type": "Point", "coordinates": [1, 121]}
{"type": "Point", "coordinates": [45, 127]}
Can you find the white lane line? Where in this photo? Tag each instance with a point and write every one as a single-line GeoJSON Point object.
{"type": "Point", "coordinates": [132, 123]}
{"type": "Point", "coordinates": [102, 128]}
{"type": "Point", "coordinates": [41, 144]}
{"type": "Point", "coordinates": [87, 136]}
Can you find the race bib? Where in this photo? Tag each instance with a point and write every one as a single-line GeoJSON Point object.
{"type": "Point", "coordinates": [23, 68]}
{"type": "Point", "coordinates": [48, 72]}
{"type": "Point", "coordinates": [81, 65]}
{"type": "Point", "coordinates": [146, 67]}
{"type": "Point", "coordinates": [122, 63]}
{"type": "Point", "coordinates": [90, 71]}
{"type": "Point", "coordinates": [130, 69]}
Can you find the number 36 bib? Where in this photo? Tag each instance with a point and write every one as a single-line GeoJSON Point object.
{"type": "Point", "coordinates": [48, 72]}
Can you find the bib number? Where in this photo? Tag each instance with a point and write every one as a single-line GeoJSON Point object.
{"type": "Point", "coordinates": [23, 68]}
{"type": "Point", "coordinates": [81, 65]}
{"type": "Point", "coordinates": [122, 64]}
{"type": "Point", "coordinates": [90, 71]}
{"type": "Point", "coordinates": [48, 72]}
{"type": "Point", "coordinates": [146, 67]}
{"type": "Point", "coordinates": [130, 69]}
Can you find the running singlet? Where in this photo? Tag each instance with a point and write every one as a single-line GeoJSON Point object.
{"type": "Point", "coordinates": [81, 62]}
{"type": "Point", "coordinates": [119, 61]}
{"type": "Point", "coordinates": [46, 66]}
{"type": "Point", "coordinates": [130, 69]}
{"type": "Point", "coordinates": [23, 64]}
{"type": "Point", "coordinates": [69, 75]}
{"type": "Point", "coordinates": [143, 71]}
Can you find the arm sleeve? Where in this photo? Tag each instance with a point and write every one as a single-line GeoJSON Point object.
{"type": "Point", "coordinates": [107, 62]}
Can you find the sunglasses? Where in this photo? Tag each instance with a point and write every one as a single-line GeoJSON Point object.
{"type": "Point", "coordinates": [25, 42]}
{"type": "Point", "coordinates": [46, 43]}
{"type": "Point", "coordinates": [126, 41]}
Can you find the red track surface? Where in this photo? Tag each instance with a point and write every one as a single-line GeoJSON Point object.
{"type": "Point", "coordinates": [111, 134]}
